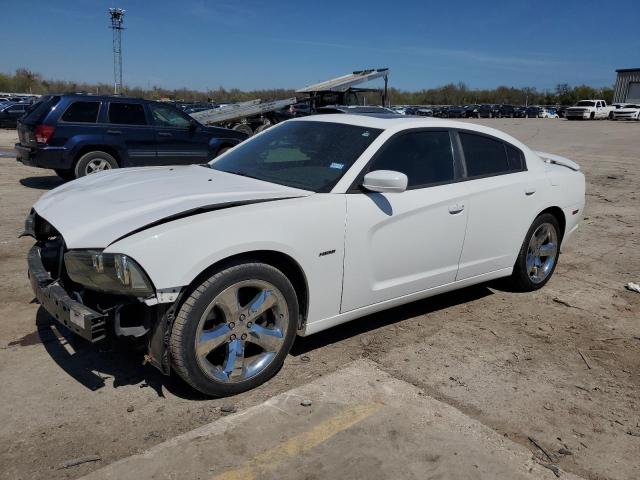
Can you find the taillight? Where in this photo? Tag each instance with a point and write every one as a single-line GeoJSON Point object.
{"type": "Point", "coordinates": [44, 133]}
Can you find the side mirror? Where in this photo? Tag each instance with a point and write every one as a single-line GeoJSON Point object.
{"type": "Point", "coordinates": [385, 181]}
{"type": "Point", "coordinates": [193, 124]}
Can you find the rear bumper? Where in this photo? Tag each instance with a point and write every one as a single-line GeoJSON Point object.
{"type": "Point", "coordinates": [43, 157]}
{"type": "Point", "coordinates": [78, 318]}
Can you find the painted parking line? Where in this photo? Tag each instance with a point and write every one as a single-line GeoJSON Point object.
{"type": "Point", "coordinates": [301, 443]}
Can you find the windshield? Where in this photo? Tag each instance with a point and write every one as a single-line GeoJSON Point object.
{"type": "Point", "coordinates": [307, 155]}
{"type": "Point", "coordinates": [585, 103]}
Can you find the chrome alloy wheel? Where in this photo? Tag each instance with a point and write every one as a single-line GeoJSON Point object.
{"type": "Point", "coordinates": [96, 165]}
{"type": "Point", "coordinates": [241, 331]}
{"type": "Point", "coordinates": [541, 253]}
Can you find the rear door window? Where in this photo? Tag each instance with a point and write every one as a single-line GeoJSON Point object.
{"type": "Point", "coordinates": [127, 114]}
{"type": "Point", "coordinates": [81, 112]}
{"type": "Point", "coordinates": [483, 156]}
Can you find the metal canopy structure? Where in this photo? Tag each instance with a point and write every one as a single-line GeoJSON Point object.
{"type": "Point", "coordinates": [346, 82]}
{"type": "Point", "coordinates": [241, 110]}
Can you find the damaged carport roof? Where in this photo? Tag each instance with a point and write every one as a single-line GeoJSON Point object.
{"type": "Point", "coordinates": [345, 82]}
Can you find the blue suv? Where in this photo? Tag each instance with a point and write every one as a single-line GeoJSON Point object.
{"type": "Point", "coordinates": [78, 134]}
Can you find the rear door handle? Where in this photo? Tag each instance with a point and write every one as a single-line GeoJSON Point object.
{"type": "Point", "coordinates": [164, 134]}
{"type": "Point", "coordinates": [457, 208]}
{"type": "Point", "coordinates": [529, 191]}
{"type": "Point", "coordinates": [114, 132]}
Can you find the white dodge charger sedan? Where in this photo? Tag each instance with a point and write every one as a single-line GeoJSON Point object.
{"type": "Point", "coordinates": [312, 223]}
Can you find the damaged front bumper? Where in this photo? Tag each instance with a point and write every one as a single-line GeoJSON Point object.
{"type": "Point", "coordinates": [152, 322]}
{"type": "Point", "coordinates": [78, 318]}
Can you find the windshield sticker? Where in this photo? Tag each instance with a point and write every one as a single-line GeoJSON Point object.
{"type": "Point", "coordinates": [338, 166]}
{"type": "Point", "coordinates": [365, 134]}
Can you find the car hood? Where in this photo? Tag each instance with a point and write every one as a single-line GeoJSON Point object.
{"type": "Point", "coordinates": [626, 110]}
{"type": "Point", "coordinates": [95, 211]}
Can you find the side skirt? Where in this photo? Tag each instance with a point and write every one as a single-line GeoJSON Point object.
{"type": "Point", "coordinates": [323, 324]}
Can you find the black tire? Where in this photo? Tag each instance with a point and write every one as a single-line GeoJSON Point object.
{"type": "Point", "coordinates": [83, 165]}
{"type": "Point", "coordinates": [183, 335]}
{"type": "Point", "coordinates": [592, 116]}
{"type": "Point", "coordinates": [520, 275]}
{"type": "Point", "coordinates": [223, 150]}
{"type": "Point", "coordinates": [243, 127]}
{"type": "Point", "coordinates": [262, 128]}
{"type": "Point", "coordinates": [66, 174]}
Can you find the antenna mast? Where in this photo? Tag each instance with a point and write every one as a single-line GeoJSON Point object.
{"type": "Point", "coordinates": [117, 18]}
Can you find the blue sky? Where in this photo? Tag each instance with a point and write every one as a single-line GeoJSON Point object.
{"type": "Point", "coordinates": [290, 43]}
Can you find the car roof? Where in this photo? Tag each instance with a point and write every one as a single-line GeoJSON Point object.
{"type": "Point", "coordinates": [89, 97]}
{"type": "Point", "coordinates": [397, 122]}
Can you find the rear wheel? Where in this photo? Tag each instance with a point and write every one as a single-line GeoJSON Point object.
{"type": "Point", "coordinates": [235, 330]}
{"type": "Point", "coordinates": [538, 254]}
{"type": "Point", "coordinates": [243, 127]}
{"type": "Point", "coordinates": [262, 128]}
{"type": "Point", "coordinates": [93, 162]}
{"type": "Point", "coordinates": [223, 150]}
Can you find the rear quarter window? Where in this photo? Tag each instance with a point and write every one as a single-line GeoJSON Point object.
{"type": "Point", "coordinates": [81, 112]}
{"type": "Point", "coordinates": [39, 110]}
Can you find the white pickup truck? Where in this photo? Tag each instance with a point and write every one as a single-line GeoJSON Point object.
{"type": "Point", "coordinates": [589, 110]}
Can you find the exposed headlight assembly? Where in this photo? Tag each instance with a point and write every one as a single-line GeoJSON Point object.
{"type": "Point", "coordinates": [107, 272]}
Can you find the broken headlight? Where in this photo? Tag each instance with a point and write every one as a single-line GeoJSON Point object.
{"type": "Point", "coordinates": [107, 272]}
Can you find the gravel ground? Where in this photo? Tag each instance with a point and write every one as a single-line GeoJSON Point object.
{"type": "Point", "coordinates": [560, 366]}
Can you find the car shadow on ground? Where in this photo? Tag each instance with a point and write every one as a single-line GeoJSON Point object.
{"type": "Point", "coordinates": [110, 363]}
{"type": "Point", "coordinates": [42, 183]}
{"type": "Point", "coordinates": [391, 316]}
{"type": "Point", "coordinates": [120, 363]}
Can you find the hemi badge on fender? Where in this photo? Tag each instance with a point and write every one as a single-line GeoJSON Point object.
{"type": "Point", "coordinates": [328, 252]}
{"type": "Point", "coordinates": [575, 212]}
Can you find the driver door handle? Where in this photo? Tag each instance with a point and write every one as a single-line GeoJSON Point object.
{"type": "Point", "coordinates": [114, 132]}
{"type": "Point", "coordinates": [164, 134]}
{"type": "Point", "coordinates": [457, 208]}
{"type": "Point", "coordinates": [529, 191]}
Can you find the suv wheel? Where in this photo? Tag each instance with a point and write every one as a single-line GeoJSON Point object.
{"type": "Point", "coordinates": [235, 329]}
{"type": "Point", "coordinates": [93, 162]}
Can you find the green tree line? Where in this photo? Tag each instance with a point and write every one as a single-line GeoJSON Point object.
{"type": "Point", "coordinates": [26, 81]}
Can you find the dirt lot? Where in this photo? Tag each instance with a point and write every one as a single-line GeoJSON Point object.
{"type": "Point", "coordinates": [561, 365]}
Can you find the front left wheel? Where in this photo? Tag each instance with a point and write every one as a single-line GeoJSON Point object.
{"type": "Point", "coordinates": [235, 329]}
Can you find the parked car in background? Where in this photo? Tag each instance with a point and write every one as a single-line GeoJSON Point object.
{"type": "Point", "coordinates": [298, 229]}
{"type": "Point", "coordinates": [487, 111]}
{"type": "Point", "coordinates": [628, 112]}
{"type": "Point", "coordinates": [439, 112]}
{"type": "Point", "coordinates": [540, 112]}
{"type": "Point", "coordinates": [424, 112]}
{"type": "Point", "coordinates": [506, 111]}
{"type": "Point", "coordinates": [76, 135]}
{"type": "Point", "coordinates": [11, 112]}
{"type": "Point", "coordinates": [456, 111]}
{"type": "Point", "coordinates": [562, 111]}
{"type": "Point", "coordinates": [354, 109]}
{"type": "Point", "coordinates": [520, 112]}
{"type": "Point", "coordinates": [589, 110]}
